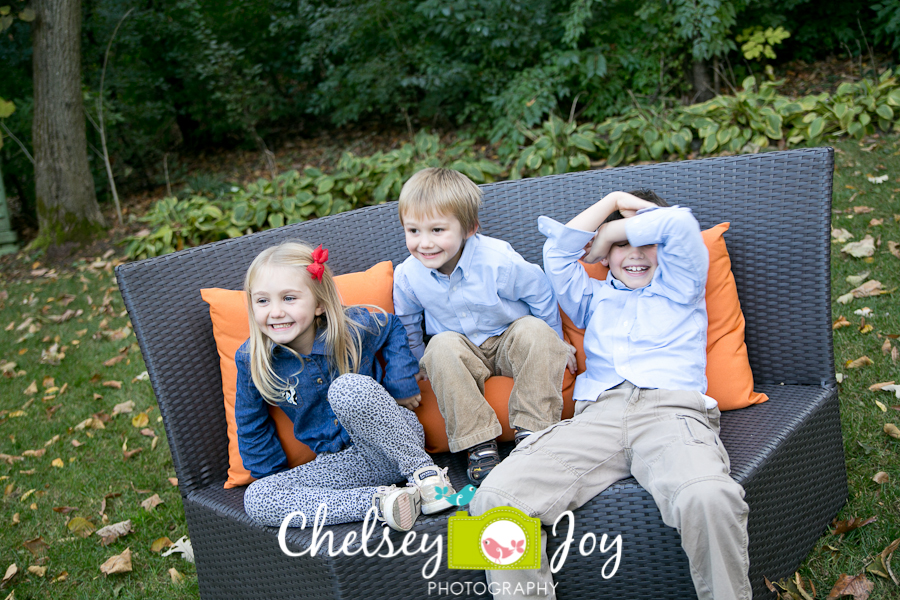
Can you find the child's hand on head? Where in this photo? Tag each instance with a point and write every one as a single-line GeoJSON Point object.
{"type": "Point", "coordinates": [628, 205]}
{"type": "Point", "coordinates": [411, 402]}
{"type": "Point", "coordinates": [598, 248]}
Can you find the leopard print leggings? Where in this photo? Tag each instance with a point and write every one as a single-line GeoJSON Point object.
{"type": "Point", "coordinates": [388, 443]}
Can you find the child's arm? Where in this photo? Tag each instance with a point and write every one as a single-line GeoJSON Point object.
{"type": "Point", "coordinates": [410, 312]}
{"type": "Point", "coordinates": [401, 367]}
{"type": "Point", "coordinates": [260, 449]}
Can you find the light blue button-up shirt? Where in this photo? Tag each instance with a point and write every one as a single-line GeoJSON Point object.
{"type": "Point", "coordinates": [655, 336]}
{"type": "Point", "coordinates": [491, 286]}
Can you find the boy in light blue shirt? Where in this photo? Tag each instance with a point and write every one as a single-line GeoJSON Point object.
{"type": "Point", "coordinates": [489, 311]}
{"type": "Point", "coordinates": [640, 408]}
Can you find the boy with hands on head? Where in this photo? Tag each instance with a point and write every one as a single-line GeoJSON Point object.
{"type": "Point", "coordinates": [489, 311]}
{"type": "Point", "coordinates": [640, 405]}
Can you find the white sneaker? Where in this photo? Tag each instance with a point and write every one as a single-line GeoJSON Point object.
{"type": "Point", "coordinates": [398, 507]}
{"type": "Point", "coordinates": [434, 487]}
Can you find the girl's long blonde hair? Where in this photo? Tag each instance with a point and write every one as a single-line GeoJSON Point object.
{"type": "Point", "coordinates": [343, 339]}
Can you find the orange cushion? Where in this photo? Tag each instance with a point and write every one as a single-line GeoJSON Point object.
{"type": "Point", "coordinates": [230, 329]}
{"type": "Point", "coordinates": [727, 364]}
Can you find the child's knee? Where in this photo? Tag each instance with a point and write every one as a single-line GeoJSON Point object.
{"type": "Point", "coordinates": [447, 343]}
{"type": "Point", "coordinates": [534, 332]}
{"type": "Point", "coordinates": [351, 390]}
{"type": "Point", "coordinates": [717, 499]}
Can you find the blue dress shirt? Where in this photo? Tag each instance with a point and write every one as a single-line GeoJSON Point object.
{"type": "Point", "coordinates": [306, 402]}
{"type": "Point", "coordinates": [491, 286]}
{"type": "Point", "coordinates": [655, 336]}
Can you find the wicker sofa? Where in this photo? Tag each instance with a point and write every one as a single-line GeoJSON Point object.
{"type": "Point", "coordinates": [787, 452]}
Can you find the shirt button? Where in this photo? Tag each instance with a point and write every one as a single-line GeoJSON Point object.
{"type": "Point", "coordinates": [319, 380]}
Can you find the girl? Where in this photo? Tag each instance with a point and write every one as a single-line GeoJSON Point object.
{"type": "Point", "coordinates": [315, 359]}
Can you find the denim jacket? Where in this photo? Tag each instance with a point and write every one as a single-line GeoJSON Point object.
{"type": "Point", "coordinates": [306, 401]}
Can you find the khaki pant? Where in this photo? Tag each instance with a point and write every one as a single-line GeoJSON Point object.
{"type": "Point", "coordinates": [669, 441]}
{"type": "Point", "coordinates": [529, 351]}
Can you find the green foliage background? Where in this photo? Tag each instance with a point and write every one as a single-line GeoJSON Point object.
{"type": "Point", "coordinates": [190, 75]}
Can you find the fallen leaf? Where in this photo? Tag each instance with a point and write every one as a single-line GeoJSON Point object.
{"type": "Point", "coordinates": [61, 577]}
{"type": "Point", "coordinates": [879, 386]}
{"type": "Point", "coordinates": [76, 443]}
{"type": "Point", "coordinates": [886, 346]}
{"type": "Point", "coordinates": [31, 389]}
{"type": "Point", "coordinates": [64, 509]}
{"type": "Point", "coordinates": [842, 527]}
{"type": "Point", "coordinates": [120, 563]}
{"type": "Point", "coordinates": [183, 546]}
{"type": "Point", "coordinates": [150, 433]}
{"type": "Point", "coordinates": [152, 502]}
{"type": "Point", "coordinates": [90, 423]}
{"type": "Point", "coordinates": [114, 360]}
{"type": "Point", "coordinates": [841, 236]}
{"type": "Point", "coordinates": [865, 328]}
{"type": "Point", "coordinates": [841, 321]}
{"type": "Point", "coordinates": [892, 388]}
{"type": "Point", "coordinates": [876, 222]}
{"type": "Point", "coordinates": [176, 576]}
{"type": "Point", "coordinates": [861, 210]}
{"type": "Point", "coordinates": [58, 463]}
{"type": "Point", "coordinates": [862, 361]}
{"type": "Point", "coordinates": [857, 586]}
{"type": "Point", "coordinates": [111, 533]}
{"type": "Point", "coordinates": [11, 571]}
{"type": "Point", "coordinates": [881, 406]}
{"type": "Point", "coordinates": [113, 384]}
{"type": "Point", "coordinates": [37, 547]}
{"type": "Point", "coordinates": [140, 420]}
{"type": "Point", "coordinates": [37, 570]}
{"type": "Point", "coordinates": [861, 249]}
{"type": "Point", "coordinates": [869, 288]}
{"type": "Point", "coordinates": [9, 459]}
{"type": "Point", "coordinates": [881, 477]}
{"type": "Point", "coordinates": [839, 377]}
{"type": "Point", "coordinates": [126, 454]}
{"type": "Point", "coordinates": [159, 544]}
{"type": "Point", "coordinates": [878, 179]}
{"type": "Point", "coordinates": [845, 299]}
{"type": "Point", "coordinates": [35, 453]}
{"type": "Point", "coordinates": [891, 430]}
{"type": "Point", "coordinates": [81, 526]}
{"type": "Point", "coordinates": [51, 441]}
{"type": "Point", "coordinates": [173, 481]}
{"type": "Point", "coordinates": [865, 311]}
{"type": "Point", "coordinates": [895, 354]}
{"type": "Point", "coordinates": [894, 248]}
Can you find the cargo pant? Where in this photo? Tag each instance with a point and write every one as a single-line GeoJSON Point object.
{"type": "Point", "coordinates": [668, 440]}
{"type": "Point", "coordinates": [529, 351]}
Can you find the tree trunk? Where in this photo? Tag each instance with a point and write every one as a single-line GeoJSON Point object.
{"type": "Point", "coordinates": [703, 88]}
{"type": "Point", "coordinates": [64, 189]}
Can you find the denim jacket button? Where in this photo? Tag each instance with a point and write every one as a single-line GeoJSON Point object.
{"type": "Point", "coordinates": [319, 381]}
{"type": "Point", "coordinates": [336, 422]}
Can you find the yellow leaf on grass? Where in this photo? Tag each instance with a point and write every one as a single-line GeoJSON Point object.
{"type": "Point", "coordinates": [35, 453]}
{"type": "Point", "coordinates": [862, 361]}
{"type": "Point", "coordinates": [120, 563]}
{"type": "Point", "coordinates": [81, 526]}
{"type": "Point", "coordinates": [891, 430]}
{"type": "Point", "coordinates": [31, 389]}
{"type": "Point", "coordinates": [58, 463]}
{"type": "Point", "coordinates": [140, 420]}
{"type": "Point", "coordinates": [841, 236]}
{"type": "Point", "coordinates": [881, 406]}
{"type": "Point", "coordinates": [866, 328]}
{"type": "Point", "coordinates": [37, 570]}
{"type": "Point", "coordinates": [176, 576]}
{"type": "Point", "coordinates": [846, 298]}
{"type": "Point", "coordinates": [159, 544]}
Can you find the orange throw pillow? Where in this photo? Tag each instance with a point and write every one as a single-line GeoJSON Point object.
{"type": "Point", "coordinates": [727, 364]}
{"type": "Point", "coordinates": [230, 329]}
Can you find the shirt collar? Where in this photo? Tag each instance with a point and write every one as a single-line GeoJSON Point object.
{"type": "Point", "coordinates": [465, 260]}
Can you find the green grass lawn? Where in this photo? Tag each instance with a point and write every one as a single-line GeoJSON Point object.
{"type": "Point", "coordinates": [54, 468]}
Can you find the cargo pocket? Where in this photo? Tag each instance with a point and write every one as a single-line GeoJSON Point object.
{"type": "Point", "coordinates": [695, 432]}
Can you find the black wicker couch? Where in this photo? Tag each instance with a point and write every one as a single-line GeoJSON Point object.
{"type": "Point", "coordinates": [787, 452]}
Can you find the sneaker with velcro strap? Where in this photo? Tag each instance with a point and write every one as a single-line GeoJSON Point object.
{"type": "Point", "coordinates": [434, 488]}
{"type": "Point", "coordinates": [482, 459]}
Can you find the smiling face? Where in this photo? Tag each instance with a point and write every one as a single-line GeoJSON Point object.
{"type": "Point", "coordinates": [435, 240]}
{"type": "Point", "coordinates": [633, 266]}
{"type": "Point", "coordinates": [284, 306]}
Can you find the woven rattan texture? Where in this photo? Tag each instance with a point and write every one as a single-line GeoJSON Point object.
{"type": "Point", "coordinates": [784, 451]}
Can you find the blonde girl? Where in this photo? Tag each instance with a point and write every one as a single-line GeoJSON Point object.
{"type": "Point", "coordinates": [316, 360]}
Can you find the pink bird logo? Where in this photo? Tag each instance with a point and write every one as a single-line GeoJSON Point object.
{"type": "Point", "coordinates": [498, 552]}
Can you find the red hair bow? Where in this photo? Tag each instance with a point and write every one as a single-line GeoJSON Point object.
{"type": "Point", "coordinates": [317, 268]}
